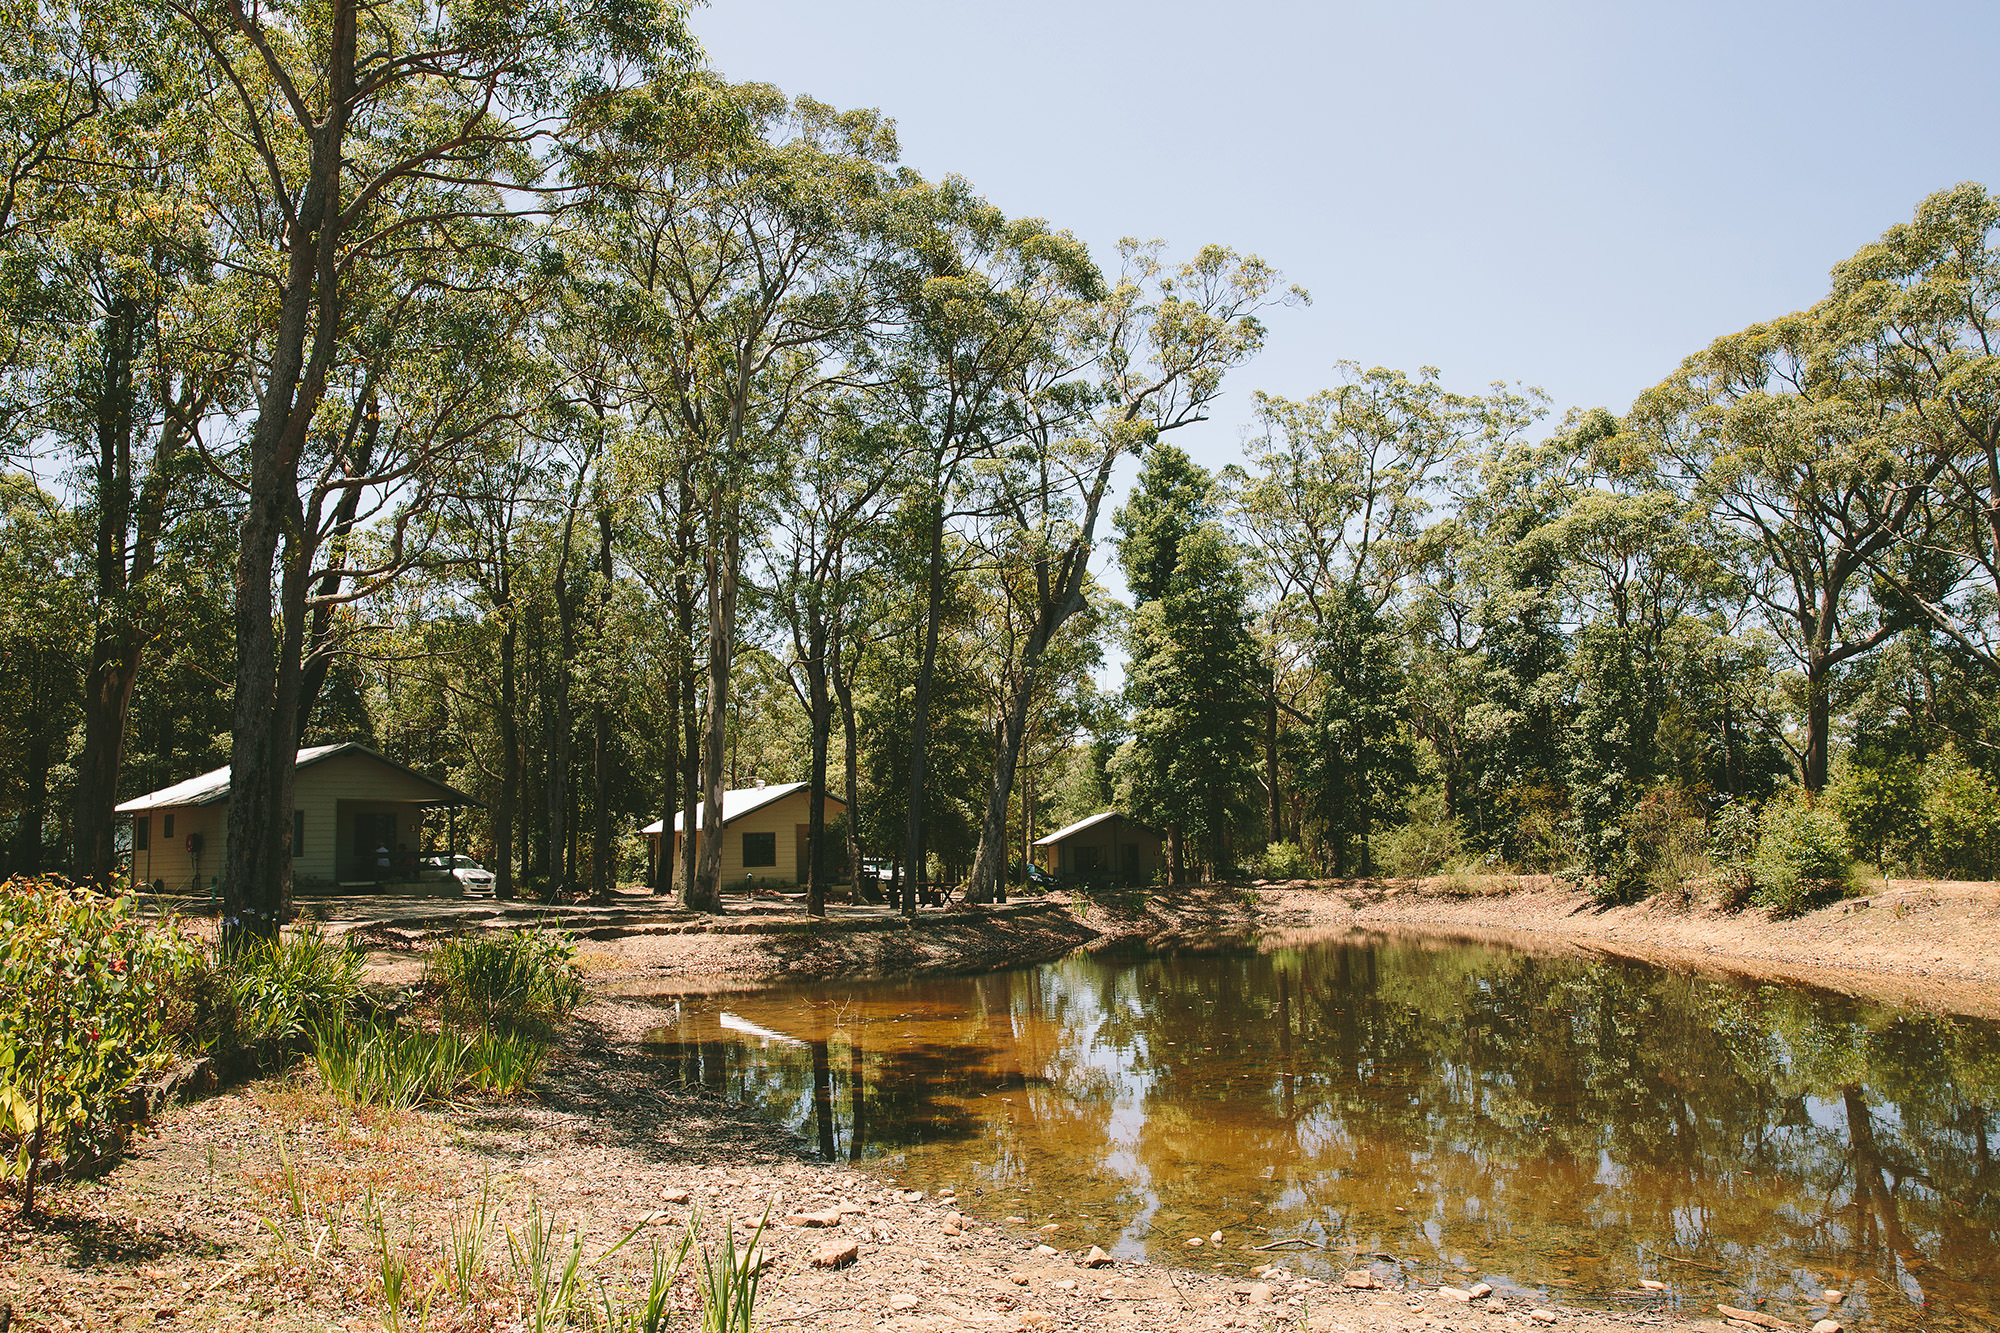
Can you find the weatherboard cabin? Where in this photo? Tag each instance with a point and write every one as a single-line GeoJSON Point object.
{"type": "Point", "coordinates": [1106, 845]}
{"type": "Point", "coordinates": [763, 834]}
{"type": "Point", "coordinates": [347, 802]}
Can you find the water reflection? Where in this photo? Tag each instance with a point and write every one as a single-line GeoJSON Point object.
{"type": "Point", "coordinates": [1552, 1126]}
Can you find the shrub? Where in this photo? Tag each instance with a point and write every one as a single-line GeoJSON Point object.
{"type": "Point", "coordinates": [523, 979]}
{"type": "Point", "coordinates": [1428, 839]}
{"type": "Point", "coordinates": [1801, 857]}
{"type": "Point", "coordinates": [259, 1003]}
{"type": "Point", "coordinates": [1961, 819]}
{"type": "Point", "coordinates": [1667, 832]}
{"type": "Point", "coordinates": [1282, 860]}
{"type": "Point", "coordinates": [78, 1023]}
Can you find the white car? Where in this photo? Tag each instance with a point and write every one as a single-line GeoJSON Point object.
{"type": "Point", "coordinates": [474, 880]}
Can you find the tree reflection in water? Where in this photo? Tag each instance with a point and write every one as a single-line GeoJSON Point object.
{"type": "Point", "coordinates": [1553, 1126]}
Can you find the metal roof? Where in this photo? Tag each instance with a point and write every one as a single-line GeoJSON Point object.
{"type": "Point", "coordinates": [738, 802]}
{"type": "Point", "coordinates": [212, 788]}
{"type": "Point", "coordinates": [1089, 821]}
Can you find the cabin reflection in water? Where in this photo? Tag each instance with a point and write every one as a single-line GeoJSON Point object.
{"type": "Point", "coordinates": [1557, 1127]}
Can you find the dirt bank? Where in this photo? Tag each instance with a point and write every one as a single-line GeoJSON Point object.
{"type": "Point", "coordinates": [1928, 944]}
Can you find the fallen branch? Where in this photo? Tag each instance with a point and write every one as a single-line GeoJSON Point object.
{"type": "Point", "coordinates": [1290, 1240]}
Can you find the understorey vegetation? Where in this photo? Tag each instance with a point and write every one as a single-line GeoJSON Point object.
{"type": "Point", "coordinates": [102, 1012]}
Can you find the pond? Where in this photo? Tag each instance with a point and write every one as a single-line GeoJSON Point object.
{"type": "Point", "coordinates": [1441, 1112]}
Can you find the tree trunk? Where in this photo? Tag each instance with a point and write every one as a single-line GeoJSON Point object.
{"type": "Point", "coordinates": [920, 724]}
{"type": "Point", "coordinates": [255, 865]}
{"type": "Point", "coordinates": [822, 725]}
{"type": "Point", "coordinates": [601, 868]}
{"type": "Point", "coordinates": [510, 746]}
{"type": "Point", "coordinates": [319, 653]}
{"type": "Point", "coordinates": [843, 689]}
{"type": "Point", "coordinates": [706, 894]}
{"type": "Point", "coordinates": [115, 646]}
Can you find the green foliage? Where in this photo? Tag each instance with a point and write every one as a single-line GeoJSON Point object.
{"type": "Point", "coordinates": [384, 1064]}
{"type": "Point", "coordinates": [1361, 756]}
{"type": "Point", "coordinates": [728, 1282]}
{"type": "Point", "coordinates": [79, 1021]}
{"type": "Point", "coordinates": [1668, 835]}
{"type": "Point", "coordinates": [1425, 842]}
{"type": "Point", "coordinates": [1801, 857]}
{"type": "Point", "coordinates": [1938, 816]}
{"type": "Point", "coordinates": [258, 1002]}
{"type": "Point", "coordinates": [521, 980]}
{"type": "Point", "coordinates": [1194, 682]}
{"type": "Point", "coordinates": [1282, 860]}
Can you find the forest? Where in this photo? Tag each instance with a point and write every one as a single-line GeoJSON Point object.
{"type": "Point", "coordinates": [505, 389]}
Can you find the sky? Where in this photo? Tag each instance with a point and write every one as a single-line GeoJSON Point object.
{"type": "Point", "coordinates": [1569, 196]}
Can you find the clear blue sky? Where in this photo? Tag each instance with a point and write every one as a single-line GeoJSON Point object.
{"type": "Point", "coordinates": [1568, 195]}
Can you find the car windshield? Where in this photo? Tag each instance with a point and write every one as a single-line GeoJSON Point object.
{"type": "Point", "coordinates": [464, 863]}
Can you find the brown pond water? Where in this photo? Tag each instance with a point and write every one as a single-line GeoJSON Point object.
{"type": "Point", "coordinates": [1439, 1112]}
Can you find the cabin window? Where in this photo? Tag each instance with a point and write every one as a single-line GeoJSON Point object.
{"type": "Point", "coordinates": [760, 849]}
{"type": "Point", "coordinates": [142, 833]}
{"type": "Point", "coordinates": [298, 832]}
{"type": "Point", "coordinates": [167, 825]}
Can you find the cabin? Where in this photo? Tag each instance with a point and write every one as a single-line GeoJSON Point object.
{"type": "Point", "coordinates": [763, 834]}
{"type": "Point", "coordinates": [347, 801]}
{"type": "Point", "coordinates": [1106, 845]}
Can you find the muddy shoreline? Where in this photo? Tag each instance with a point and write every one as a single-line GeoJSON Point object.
{"type": "Point", "coordinates": [1934, 946]}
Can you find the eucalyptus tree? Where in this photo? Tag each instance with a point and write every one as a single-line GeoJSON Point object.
{"type": "Point", "coordinates": [44, 623]}
{"type": "Point", "coordinates": [1144, 359]}
{"type": "Point", "coordinates": [742, 222]}
{"type": "Point", "coordinates": [1336, 496]}
{"type": "Point", "coordinates": [1916, 312]}
{"type": "Point", "coordinates": [1801, 438]}
{"type": "Point", "coordinates": [817, 560]}
{"type": "Point", "coordinates": [980, 299]}
{"type": "Point", "coordinates": [361, 133]}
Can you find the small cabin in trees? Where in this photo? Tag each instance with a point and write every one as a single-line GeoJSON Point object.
{"type": "Point", "coordinates": [1106, 845]}
{"type": "Point", "coordinates": [347, 802]}
{"type": "Point", "coordinates": [763, 835]}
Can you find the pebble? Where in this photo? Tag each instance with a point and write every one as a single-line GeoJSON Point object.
{"type": "Point", "coordinates": [1260, 1293]}
{"type": "Point", "coordinates": [1215, 1238]}
{"type": "Point", "coordinates": [825, 1217]}
{"type": "Point", "coordinates": [1480, 1291]}
{"type": "Point", "coordinates": [1651, 1285]}
{"type": "Point", "coordinates": [1047, 1251]}
{"type": "Point", "coordinates": [1018, 1279]}
{"type": "Point", "coordinates": [836, 1253]}
{"type": "Point", "coordinates": [1064, 1284]}
{"type": "Point", "coordinates": [902, 1300]}
{"type": "Point", "coordinates": [675, 1196]}
{"type": "Point", "coordinates": [1831, 1297]}
{"type": "Point", "coordinates": [1455, 1294]}
{"type": "Point", "coordinates": [1542, 1316]}
{"type": "Point", "coordinates": [1097, 1258]}
{"type": "Point", "coordinates": [1359, 1280]}
{"type": "Point", "coordinates": [1194, 1241]}
{"type": "Point", "coordinates": [1826, 1326]}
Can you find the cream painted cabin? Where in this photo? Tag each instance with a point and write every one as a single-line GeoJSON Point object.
{"type": "Point", "coordinates": [763, 833]}
{"type": "Point", "coordinates": [347, 801]}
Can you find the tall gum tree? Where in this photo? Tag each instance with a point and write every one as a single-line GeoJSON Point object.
{"type": "Point", "coordinates": [743, 219]}
{"type": "Point", "coordinates": [1159, 345]}
{"type": "Point", "coordinates": [359, 127]}
{"type": "Point", "coordinates": [1816, 445]}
